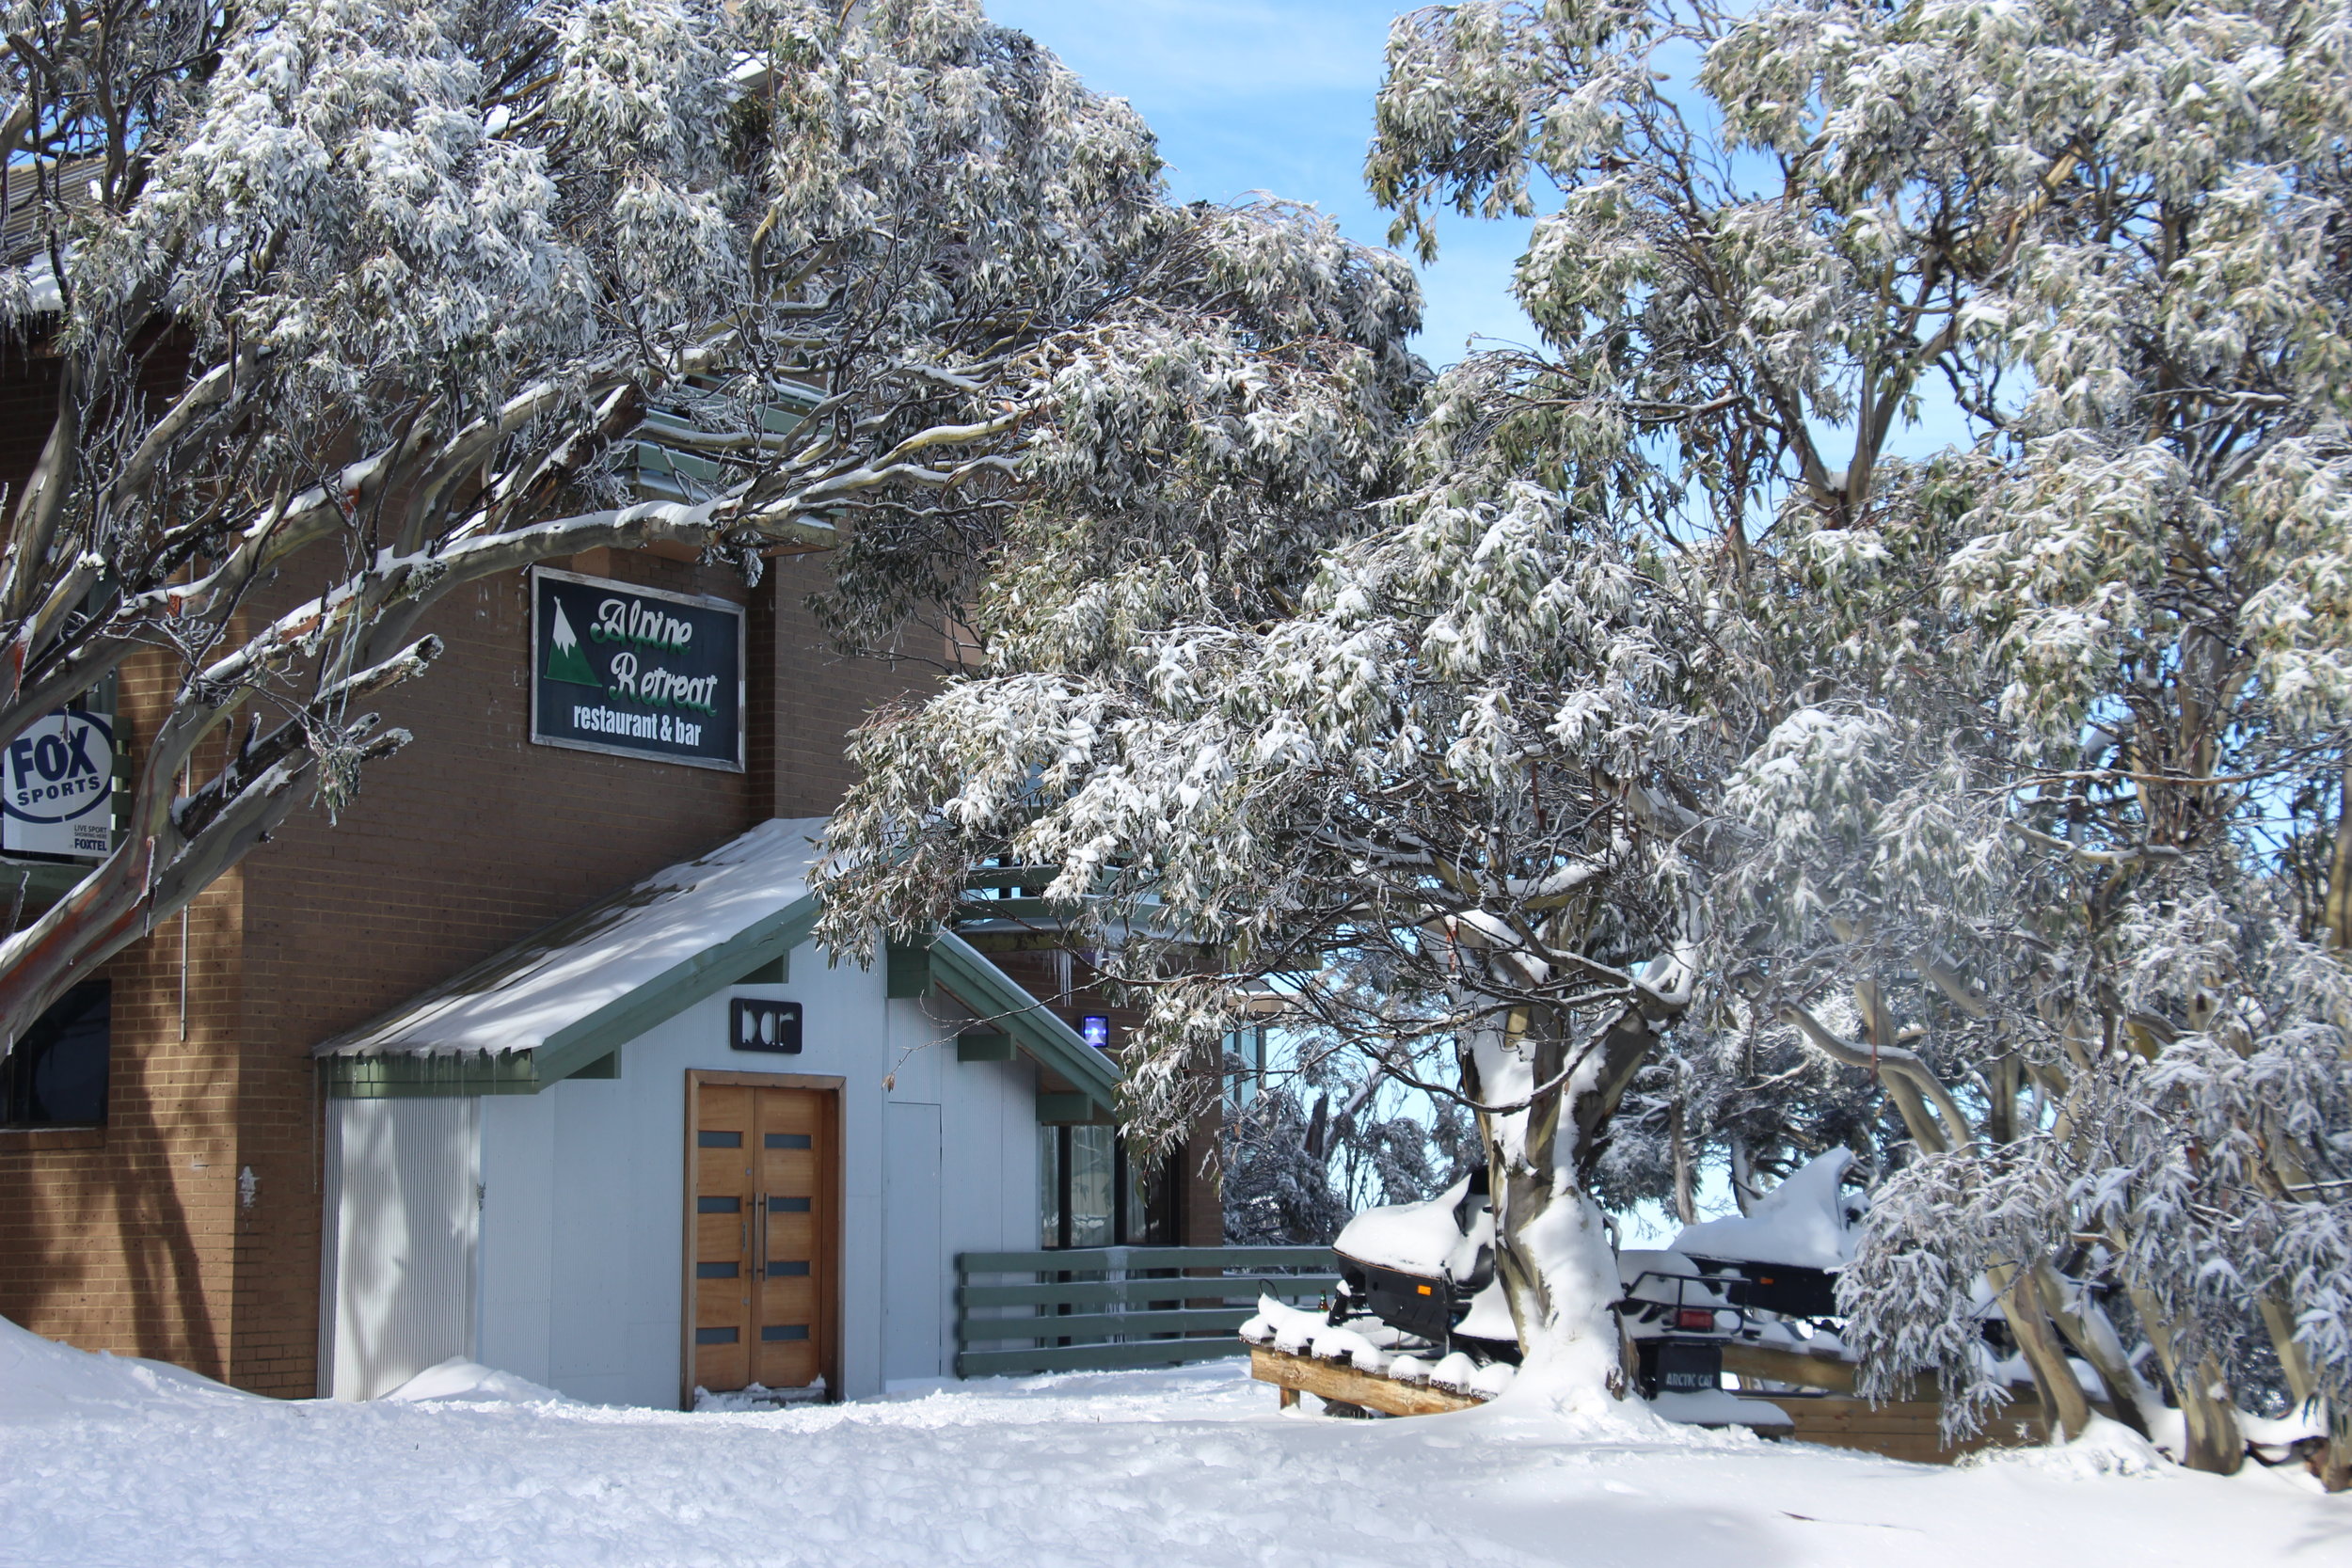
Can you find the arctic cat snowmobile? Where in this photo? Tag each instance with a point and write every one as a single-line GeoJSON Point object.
{"type": "Point", "coordinates": [1426, 1270]}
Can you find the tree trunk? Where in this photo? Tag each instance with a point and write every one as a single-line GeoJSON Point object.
{"type": "Point", "coordinates": [2335, 1461]}
{"type": "Point", "coordinates": [2063, 1402]}
{"type": "Point", "coordinates": [1686, 1209]}
{"type": "Point", "coordinates": [1559, 1273]}
{"type": "Point", "coordinates": [1743, 1174]}
{"type": "Point", "coordinates": [2085, 1328]}
{"type": "Point", "coordinates": [2215, 1444]}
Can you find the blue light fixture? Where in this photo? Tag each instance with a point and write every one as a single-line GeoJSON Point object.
{"type": "Point", "coordinates": [1097, 1029]}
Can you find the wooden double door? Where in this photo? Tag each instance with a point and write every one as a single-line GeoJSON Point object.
{"type": "Point", "coordinates": [763, 1284]}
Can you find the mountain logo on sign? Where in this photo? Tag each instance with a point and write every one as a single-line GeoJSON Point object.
{"type": "Point", "coordinates": [566, 662]}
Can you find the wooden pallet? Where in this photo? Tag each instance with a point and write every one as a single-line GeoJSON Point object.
{"type": "Point", "coordinates": [1900, 1429]}
{"type": "Point", "coordinates": [1903, 1429]}
{"type": "Point", "coordinates": [1788, 1366]}
{"type": "Point", "coordinates": [1906, 1429]}
{"type": "Point", "coordinates": [1337, 1380]}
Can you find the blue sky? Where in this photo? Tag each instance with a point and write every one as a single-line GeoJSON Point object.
{"type": "Point", "coordinates": [1275, 96]}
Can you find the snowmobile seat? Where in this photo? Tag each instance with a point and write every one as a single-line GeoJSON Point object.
{"type": "Point", "coordinates": [1784, 1289]}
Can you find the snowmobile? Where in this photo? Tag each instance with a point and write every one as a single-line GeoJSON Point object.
{"type": "Point", "coordinates": [1426, 1270]}
{"type": "Point", "coordinates": [1678, 1317]}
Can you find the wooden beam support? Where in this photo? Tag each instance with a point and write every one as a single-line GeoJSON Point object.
{"type": "Point", "coordinates": [1330, 1380]}
{"type": "Point", "coordinates": [1790, 1366]}
{"type": "Point", "coordinates": [1908, 1429]}
{"type": "Point", "coordinates": [984, 1046]}
{"type": "Point", "coordinates": [906, 970]}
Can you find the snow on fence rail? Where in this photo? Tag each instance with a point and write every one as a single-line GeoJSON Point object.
{"type": "Point", "coordinates": [1097, 1308]}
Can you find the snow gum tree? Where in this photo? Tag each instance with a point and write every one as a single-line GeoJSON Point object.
{"type": "Point", "coordinates": [1432, 787]}
{"type": "Point", "coordinates": [1663, 698]}
{"type": "Point", "coordinates": [374, 299]}
{"type": "Point", "coordinates": [2046, 830]}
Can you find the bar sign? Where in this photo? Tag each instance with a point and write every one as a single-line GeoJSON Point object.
{"type": "Point", "coordinates": [756, 1025]}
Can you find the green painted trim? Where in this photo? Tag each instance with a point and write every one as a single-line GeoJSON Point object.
{"type": "Point", "coordinates": [436, 1077]}
{"type": "Point", "coordinates": [1015, 942]}
{"type": "Point", "coordinates": [1011, 875]}
{"type": "Point", "coordinates": [448, 1076]}
{"type": "Point", "coordinates": [1102, 1325]}
{"type": "Point", "coordinates": [775, 971]}
{"type": "Point", "coordinates": [1074, 1359]}
{"type": "Point", "coordinates": [1036, 911]}
{"type": "Point", "coordinates": [1097, 1260]}
{"type": "Point", "coordinates": [1127, 1293]}
{"type": "Point", "coordinates": [982, 1047]}
{"type": "Point", "coordinates": [1069, 1110]}
{"type": "Point", "coordinates": [992, 996]}
{"type": "Point", "coordinates": [706, 973]}
{"type": "Point", "coordinates": [45, 881]}
{"type": "Point", "coordinates": [906, 971]}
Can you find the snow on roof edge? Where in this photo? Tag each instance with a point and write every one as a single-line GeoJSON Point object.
{"type": "Point", "coordinates": [517, 998]}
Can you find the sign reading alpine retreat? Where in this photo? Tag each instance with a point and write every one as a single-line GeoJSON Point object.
{"type": "Point", "coordinates": [636, 671]}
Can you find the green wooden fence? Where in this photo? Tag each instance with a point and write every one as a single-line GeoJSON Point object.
{"type": "Point", "coordinates": [1091, 1308]}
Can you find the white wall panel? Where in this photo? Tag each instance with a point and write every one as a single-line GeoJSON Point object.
{"type": "Point", "coordinates": [518, 1255]}
{"type": "Point", "coordinates": [404, 1240]}
{"type": "Point", "coordinates": [579, 1280]}
{"type": "Point", "coordinates": [914, 1293]}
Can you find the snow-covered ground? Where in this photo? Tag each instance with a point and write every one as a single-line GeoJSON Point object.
{"type": "Point", "coordinates": [113, 1462]}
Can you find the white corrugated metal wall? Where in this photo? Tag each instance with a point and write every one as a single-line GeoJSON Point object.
{"type": "Point", "coordinates": [541, 1234]}
{"type": "Point", "coordinates": [401, 1259]}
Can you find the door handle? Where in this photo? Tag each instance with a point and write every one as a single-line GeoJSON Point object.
{"type": "Point", "coordinates": [760, 1264]}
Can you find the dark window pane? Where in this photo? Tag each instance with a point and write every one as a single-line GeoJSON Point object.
{"type": "Point", "coordinates": [57, 1075]}
{"type": "Point", "coordinates": [784, 1331]}
{"type": "Point", "coordinates": [715, 1271]}
{"type": "Point", "coordinates": [789, 1140]}
{"type": "Point", "coordinates": [719, 1140]}
{"type": "Point", "coordinates": [717, 1205]}
{"type": "Point", "coordinates": [787, 1206]}
{"type": "Point", "coordinates": [714, 1336]}
{"type": "Point", "coordinates": [794, 1270]}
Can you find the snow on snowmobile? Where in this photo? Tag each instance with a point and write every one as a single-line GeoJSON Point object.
{"type": "Point", "coordinates": [1426, 1270]}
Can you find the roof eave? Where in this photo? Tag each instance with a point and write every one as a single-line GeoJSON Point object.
{"type": "Point", "coordinates": [991, 995]}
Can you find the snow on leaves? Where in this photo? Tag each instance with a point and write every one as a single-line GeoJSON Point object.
{"type": "Point", "coordinates": [1983, 811]}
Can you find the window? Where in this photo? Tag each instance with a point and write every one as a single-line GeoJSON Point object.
{"type": "Point", "coordinates": [1092, 1180]}
{"type": "Point", "coordinates": [1244, 1056]}
{"type": "Point", "coordinates": [1049, 1186]}
{"type": "Point", "coordinates": [1083, 1176]}
{"type": "Point", "coordinates": [57, 1075]}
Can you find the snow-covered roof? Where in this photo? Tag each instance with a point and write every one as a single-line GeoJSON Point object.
{"type": "Point", "coordinates": [551, 986]}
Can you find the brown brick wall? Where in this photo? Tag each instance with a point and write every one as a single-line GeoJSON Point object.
{"type": "Point", "coordinates": [133, 1239]}
{"type": "Point", "coordinates": [817, 695]}
{"type": "Point", "coordinates": [125, 1238]}
{"type": "Point", "coordinates": [472, 836]}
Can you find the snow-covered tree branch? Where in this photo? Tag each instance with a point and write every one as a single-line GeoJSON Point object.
{"type": "Point", "coordinates": [1984, 809]}
{"type": "Point", "coordinates": [379, 300]}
